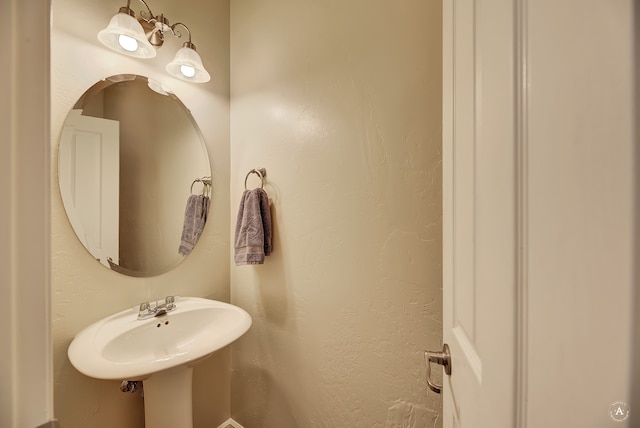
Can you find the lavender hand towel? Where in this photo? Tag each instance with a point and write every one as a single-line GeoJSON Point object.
{"type": "Point", "coordinates": [195, 217]}
{"type": "Point", "coordinates": [252, 240]}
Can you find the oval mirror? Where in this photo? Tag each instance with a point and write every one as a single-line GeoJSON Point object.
{"type": "Point", "coordinates": [134, 175]}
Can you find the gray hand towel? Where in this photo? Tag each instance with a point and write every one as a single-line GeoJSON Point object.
{"type": "Point", "coordinates": [253, 228]}
{"type": "Point", "coordinates": [195, 217]}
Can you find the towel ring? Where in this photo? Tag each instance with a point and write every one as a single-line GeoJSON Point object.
{"type": "Point", "coordinates": [206, 184]}
{"type": "Point", "coordinates": [261, 172]}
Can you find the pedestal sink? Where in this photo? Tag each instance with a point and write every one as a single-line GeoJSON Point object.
{"type": "Point", "coordinates": [160, 351]}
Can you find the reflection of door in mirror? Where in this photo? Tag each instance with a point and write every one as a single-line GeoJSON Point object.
{"type": "Point", "coordinates": [89, 186]}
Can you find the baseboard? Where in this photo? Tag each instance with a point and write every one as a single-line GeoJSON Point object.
{"type": "Point", "coordinates": [230, 423]}
{"type": "Point", "coordinates": [51, 424]}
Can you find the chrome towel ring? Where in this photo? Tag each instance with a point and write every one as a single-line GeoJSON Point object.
{"type": "Point", "coordinates": [206, 185]}
{"type": "Point", "coordinates": [261, 172]}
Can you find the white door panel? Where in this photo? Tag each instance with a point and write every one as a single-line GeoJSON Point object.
{"type": "Point", "coordinates": [479, 212]}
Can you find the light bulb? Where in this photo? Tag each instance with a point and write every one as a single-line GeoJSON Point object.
{"type": "Point", "coordinates": [187, 71]}
{"type": "Point", "coordinates": [128, 43]}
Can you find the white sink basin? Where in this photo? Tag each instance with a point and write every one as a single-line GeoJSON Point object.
{"type": "Point", "coordinates": [122, 347]}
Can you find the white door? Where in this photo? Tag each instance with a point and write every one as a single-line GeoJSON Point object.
{"type": "Point", "coordinates": [538, 214]}
{"type": "Point", "coordinates": [479, 216]}
{"type": "Point", "coordinates": [89, 174]}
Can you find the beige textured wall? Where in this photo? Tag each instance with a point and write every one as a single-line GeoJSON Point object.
{"type": "Point", "coordinates": [341, 102]}
{"type": "Point", "coordinates": [84, 291]}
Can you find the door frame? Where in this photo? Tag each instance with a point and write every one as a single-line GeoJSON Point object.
{"type": "Point", "coordinates": [521, 188]}
{"type": "Point", "coordinates": [26, 364]}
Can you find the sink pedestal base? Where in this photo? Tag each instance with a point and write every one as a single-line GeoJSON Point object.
{"type": "Point", "coordinates": [167, 398]}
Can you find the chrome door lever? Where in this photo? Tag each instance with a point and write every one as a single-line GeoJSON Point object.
{"type": "Point", "coordinates": [442, 358]}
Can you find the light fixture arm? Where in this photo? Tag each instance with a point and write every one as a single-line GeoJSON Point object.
{"type": "Point", "coordinates": [162, 23]}
{"type": "Point", "coordinates": [178, 34]}
{"type": "Point", "coordinates": [127, 9]}
{"type": "Point", "coordinates": [157, 25]}
{"type": "Point", "coordinates": [151, 14]}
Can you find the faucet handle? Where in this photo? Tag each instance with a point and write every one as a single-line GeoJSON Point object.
{"type": "Point", "coordinates": [170, 302]}
{"type": "Point", "coordinates": [144, 311]}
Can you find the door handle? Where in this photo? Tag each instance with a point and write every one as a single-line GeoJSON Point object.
{"type": "Point", "coordinates": [442, 358]}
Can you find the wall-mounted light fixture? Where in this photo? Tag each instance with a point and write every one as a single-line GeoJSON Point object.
{"type": "Point", "coordinates": [140, 37]}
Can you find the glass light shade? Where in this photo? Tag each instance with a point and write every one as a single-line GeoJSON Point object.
{"type": "Point", "coordinates": [187, 65]}
{"type": "Point", "coordinates": [125, 25]}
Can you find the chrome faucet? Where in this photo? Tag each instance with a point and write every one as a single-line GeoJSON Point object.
{"type": "Point", "coordinates": [156, 308]}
